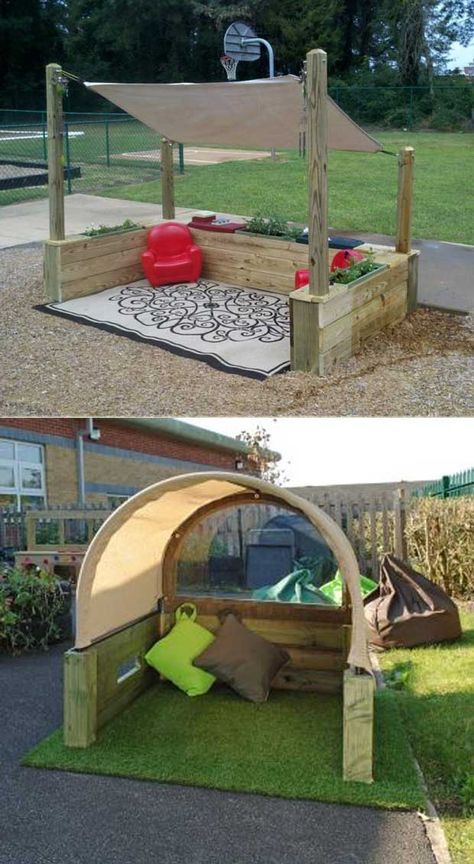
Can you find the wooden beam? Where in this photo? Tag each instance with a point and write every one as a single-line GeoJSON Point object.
{"type": "Point", "coordinates": [406, 159]}
{"type": "Point", "coordinates": [305, 333]}
{"type": "Point", "coordinates": [167, 179]}
{"type": "Point", "coordinates": [358, 733]}
{"type": "Point", "coordinates": [401, 547]}
{"type": "Point", "coordinates": [80, 698]}
{"type": "Point", "coordinates": [54, 107]}
{"type": "Point", "coordinates": [317, 132]}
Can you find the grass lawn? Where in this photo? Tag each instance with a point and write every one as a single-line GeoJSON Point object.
{"type": "Point", "coordinates": [290, 747]}
{"type": "Point", "coordinates": [437, 708]}
{"type": "Point", "coordinates": [362, 187]}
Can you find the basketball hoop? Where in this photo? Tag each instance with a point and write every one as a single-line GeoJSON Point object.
{"type": "Point", "coordinates": [230, 65]}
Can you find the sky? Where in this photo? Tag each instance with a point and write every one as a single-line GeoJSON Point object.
{"type": "Point", "coordinates": [324, 451]}
{"type": "Point", "coordinates": [461, 56]}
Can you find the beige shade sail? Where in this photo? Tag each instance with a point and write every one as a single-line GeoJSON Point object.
{"type": "Point", "coordinates": [262, 113]}
{"type": "Point", "coordinates": [121, 575]}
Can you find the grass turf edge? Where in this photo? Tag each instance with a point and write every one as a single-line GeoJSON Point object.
{"type": "Point", "coordinates": [297, 773]}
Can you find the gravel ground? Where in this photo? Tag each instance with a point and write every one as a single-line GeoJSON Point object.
{"type": "Point", "coordinates": [422, 367]}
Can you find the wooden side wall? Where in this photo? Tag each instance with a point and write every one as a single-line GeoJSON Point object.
{"type": "Point", "coordinates": [318, 651]}
{"type": "Point", "coordinates": [92, 692]}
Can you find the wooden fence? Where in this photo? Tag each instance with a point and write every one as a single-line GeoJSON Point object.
{"type": "Point", "coordinates": [30, 528]}
{"type": "Point", "coordinates": [373, 524]}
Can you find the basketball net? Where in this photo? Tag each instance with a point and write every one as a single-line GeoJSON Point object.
{"type": "Point", "coordinates": [230, 66]}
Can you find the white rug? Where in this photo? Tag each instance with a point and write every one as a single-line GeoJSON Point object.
{"type": "Point", "coordinates": [235, 329]}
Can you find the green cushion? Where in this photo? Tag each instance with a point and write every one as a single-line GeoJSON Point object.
{"type": "Point", "coordinates": [173, 655]}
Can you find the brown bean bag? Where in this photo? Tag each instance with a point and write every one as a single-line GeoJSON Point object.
{"type": "Point", "coordinates": [406, 609]}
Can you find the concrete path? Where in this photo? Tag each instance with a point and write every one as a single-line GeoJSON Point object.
{"type": "Point", "coordinates": [28, 222]}
{"type": "Point", "coordinates": [52, 817]}
{"type": "Point", "coordinates": [446, 269]}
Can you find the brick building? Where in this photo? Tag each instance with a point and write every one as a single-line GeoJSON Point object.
{"type": "Point", "coordinates": [50, 461]}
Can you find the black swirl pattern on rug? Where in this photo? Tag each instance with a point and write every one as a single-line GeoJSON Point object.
{"type": "Point", "coordinates": [207, 310]}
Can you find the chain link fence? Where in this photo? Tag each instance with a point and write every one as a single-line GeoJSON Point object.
{"type": "Point", "coordinates": [107, 150]}
{"type": "Point", "coordinates": [100, 151]}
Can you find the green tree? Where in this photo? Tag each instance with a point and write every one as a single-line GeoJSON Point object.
{"type": "Point", "coordinates": [261, 458]}
{"type": "Point", "coordinates": [30, 37]}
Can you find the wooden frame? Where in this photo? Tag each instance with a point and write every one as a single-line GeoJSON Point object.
{"type": "Point", "coordinates": [316, 637]}
{"type": "Point", "coordinates": [80, 266]}
{"type": "Point", "coordinates": [106, 672]}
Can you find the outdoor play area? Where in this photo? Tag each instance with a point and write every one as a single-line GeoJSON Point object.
{"type": "Point", "coordinates": [226, 308]}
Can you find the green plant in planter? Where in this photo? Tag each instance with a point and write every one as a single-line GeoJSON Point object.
{"type": "Point", "coordinates": [344, 275]}
{"type": "Point", "coordinates": [95, 230]}
{"type": "Point", "coordinates": [272, 226]}
{"type": "Point", "coordinates": [30, 606]}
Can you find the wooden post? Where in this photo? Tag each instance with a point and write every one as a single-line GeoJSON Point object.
{"type": "Point", "coordinates": [401, 549]}
{"type": "Point", "coordinates": [54, 105]}
{"type": "Point", "coordinates": [80, 698]}
{"type": "Point", "coordinates": [358, 720]}
{"type": "Point", "coordinates": [406, 159]}
{"type": "Point", "coordinates": [317, 131]}
{"type": "Point", "coordinates": [167, 179]}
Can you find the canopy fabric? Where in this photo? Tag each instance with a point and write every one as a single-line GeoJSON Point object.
{"type": "Point", "coordinates": [121, 575]}
{"type": "Point", "coordinates": [263, 113]}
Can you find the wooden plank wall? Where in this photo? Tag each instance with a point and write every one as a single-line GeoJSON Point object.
{"type": "Point", "coordinates": [81, 266]}
{"type": "Point", "coordinates": [251, 261]}
{"type": "Point", "coordinates": [318, 651]}
{"type": "Point", "coordinates": [93, 693]}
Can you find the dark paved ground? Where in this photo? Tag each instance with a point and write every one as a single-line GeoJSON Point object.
{"type": "Point", "coordinates": [446, 274]}
{"type": "Point", "coordinates": [49, 817]}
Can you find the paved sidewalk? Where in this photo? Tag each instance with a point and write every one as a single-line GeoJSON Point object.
{"type": "Point", "coordinates": [53, 817]}
{"type": "Point", "coordinates": [28, 222]}
{"type": "Point", "coordinates": [446, 269]}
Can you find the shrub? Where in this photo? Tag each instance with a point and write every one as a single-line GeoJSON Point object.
{"type": "Point", "coordinates": [30, 606]}
{"type": "Point", "coordinates": [440, 535]}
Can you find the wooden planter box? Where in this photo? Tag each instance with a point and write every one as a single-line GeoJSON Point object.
{"type": "Point", "coordinates": [329, 330]}
{"type": "Point", "coordinates": [85, 265]}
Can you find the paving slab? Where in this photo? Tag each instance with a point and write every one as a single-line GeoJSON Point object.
{"type": "Point", "coordinates": [54, 817]}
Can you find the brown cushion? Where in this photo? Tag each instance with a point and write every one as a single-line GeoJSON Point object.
{"type": "Point", "coordinates": [243, 660]}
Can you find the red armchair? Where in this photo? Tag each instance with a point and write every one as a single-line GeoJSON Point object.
{"type": "Point", "coordinates": [171, 256]}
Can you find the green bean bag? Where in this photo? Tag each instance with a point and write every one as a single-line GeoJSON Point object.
{"type": "Point", "coordinates": [333, 589]}
{"type": "Point", "coordinates": [173, 655]}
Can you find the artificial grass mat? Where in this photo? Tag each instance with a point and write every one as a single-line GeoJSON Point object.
{"type": "Point", "coordinates": [290, 746]}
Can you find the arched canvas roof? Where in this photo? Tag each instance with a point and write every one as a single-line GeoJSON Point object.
{"type": "Point", "coordinates": [121, 576]}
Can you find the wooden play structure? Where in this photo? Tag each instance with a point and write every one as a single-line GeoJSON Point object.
{"type": "Point", "coordinates": [329, 322]}
{"type": "Point", "coordinates": [127, 593]}
{"type": "Point", "coordinates": [49, 543]}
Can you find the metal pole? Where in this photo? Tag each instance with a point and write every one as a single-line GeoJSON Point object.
{"type": "Point", "coordinates": [107, 144]}
{"type": "Point", "coordinates": [181, 158]}
{"type": "Point", "coordinates": [271, 56]}
{"type": "Point", "coordinates": [271, 65]}
{"type": "Point", "coordinates": [68, 159]}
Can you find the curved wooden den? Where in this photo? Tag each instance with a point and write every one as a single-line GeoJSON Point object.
{"type": "Point", "coordinates": [127, 594]}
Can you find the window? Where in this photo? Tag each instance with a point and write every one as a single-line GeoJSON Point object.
{"type": "Point", "coordinates": [22, 480]}
{"type": "Point", "coordinates": [262, 552]}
